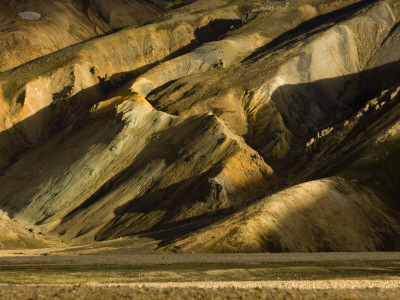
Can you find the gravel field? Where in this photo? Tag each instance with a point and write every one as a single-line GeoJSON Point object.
{"type": "Point", "coordinates": [228, 276]}
{"type": "Point", "coordinates": [60, 258]}
{"type": "Point", "coordinates": [125, 292]}
{"type": "Point", "coordinates": [273, 284]}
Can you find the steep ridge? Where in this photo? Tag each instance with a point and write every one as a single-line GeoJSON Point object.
{"type": "Point", "coordinates": [225, 127]}
{"type": "Point", "coordinates": [239, 44]}
{"type": "Point", "coordinates": [340, 213]}
{"type": "Point", "coordinates": [125, 170]}
{"type": "Point", "coordinates": [53, 91]}
{"type": "Point", "coordinates": [63, 23]}
{"type": "Point", "coordinates": [273, 95]}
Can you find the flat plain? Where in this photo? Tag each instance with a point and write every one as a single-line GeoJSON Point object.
{"type": "Point", "coordinates": [108, 272]}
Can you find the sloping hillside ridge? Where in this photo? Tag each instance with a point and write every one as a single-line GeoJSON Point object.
{"type": "Point", "coordinates": [237, 127]}
{"type": "Point", "coordinates": [52, 91]}
{"type": "Point", "coordinates": [14, 236]}
{"type": "Point", "coordinates": [64, 23]}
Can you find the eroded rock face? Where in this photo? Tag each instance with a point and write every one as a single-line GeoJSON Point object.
{"type": "Point", "coordinates": [63, 23]}
{"type": "Point", "coordinates": [56, 90]}
{"type": "Point", "coordinates": [218, 127]}
{"type": "Point", "coordinates": [135, 163]}
{"type": "Point", "coordinates": [329, 214]}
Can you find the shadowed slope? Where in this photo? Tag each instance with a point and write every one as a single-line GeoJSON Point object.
{"type": "Point", "coordinates": [84, 158]}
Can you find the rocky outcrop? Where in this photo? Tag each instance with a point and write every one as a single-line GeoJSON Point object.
{"type": "Point", "coordinates": [289, 90]}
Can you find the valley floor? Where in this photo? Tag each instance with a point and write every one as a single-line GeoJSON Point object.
{"type": "Point", "coordinates": [122, 292]}
{"type": "Point", "coordinates": [124, 273]}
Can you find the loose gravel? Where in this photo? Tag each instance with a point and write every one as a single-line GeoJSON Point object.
{"type": "Point", "coordinates": [273, 284]}
{"type": "Point", "coordinates": [138, 293]}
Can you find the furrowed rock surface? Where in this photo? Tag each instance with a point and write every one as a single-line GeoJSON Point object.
{"type": "Point", "coordinates": [208, 127]}
{"type": "Point", "coordinates": [64, 23]}
{"type": "Point", "coordinates": [50, 93]}
{"type": "Point", "coordinates": [133, 171]}
{"type": "Point", "coordinates": [325, 215]}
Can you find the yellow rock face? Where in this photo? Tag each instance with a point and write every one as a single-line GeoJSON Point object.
{"type": "Point", "coordinates": [220, 126]}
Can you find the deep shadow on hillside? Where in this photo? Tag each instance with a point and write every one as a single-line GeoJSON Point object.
{"type": "Point", "coordinates": [370, 83]}
{"type": "Point", "coordinates": [357, 89]}
{"type": "Point", "coordinates": [330, 215]}
{"type": "Point", "coordinates": [308, 108]}
{"type": "Point", "coordinates": [310, 27]}
{"type": "Point", "coordinates": [65, 111]}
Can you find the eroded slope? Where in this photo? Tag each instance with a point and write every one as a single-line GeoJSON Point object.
{"type": "Point", "coordinates": [223, 127]}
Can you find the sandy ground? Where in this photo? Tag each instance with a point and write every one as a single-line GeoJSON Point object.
{"type": "Point", "coordinates": [108, 257]}
{"type": "Point", "coordinates": [122, 292]}
{"type": "Point", "coordinates": [35, 261]}
{"type": "Point", "coordinates": [292, 284]}
{"type": "Point", "coordinates": [126, 256]}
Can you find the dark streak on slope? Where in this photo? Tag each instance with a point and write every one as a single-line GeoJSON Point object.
{"type": "Point", "coordinates": [311, 27]}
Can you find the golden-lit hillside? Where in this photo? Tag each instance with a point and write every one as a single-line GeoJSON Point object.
{"type": "Point", "coordinates": [205, 126]}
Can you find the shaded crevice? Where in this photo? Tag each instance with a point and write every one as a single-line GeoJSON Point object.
{"type": "Point", "coordinates": [213, 31]}
{"type": "Point", "coordinates": [391, 32]}
{"type": "Point", "coordinates": [68, 110]}
{"type": "Point", "coordinates": [310, 28]}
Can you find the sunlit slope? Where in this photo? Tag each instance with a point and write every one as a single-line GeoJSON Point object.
{"type": "Point", "coordinates": [231, 126]}
{"type": "Point", "coordinates": [64, 23]}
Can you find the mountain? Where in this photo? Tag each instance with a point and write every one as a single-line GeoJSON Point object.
{"type": "Point", "coordinates": [231, 126]}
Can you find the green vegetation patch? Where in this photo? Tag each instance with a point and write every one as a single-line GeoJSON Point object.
{"type": "Point", "coordinates": [377, 168]}
{"type": "Point", "coordinates": [15, 79]}
{"type": "Point", "coordinates": [53, 274]}
{"type": "Point", "coordinates": [191, 92]}
{"type": "Point", "coordinates": [174, 4]}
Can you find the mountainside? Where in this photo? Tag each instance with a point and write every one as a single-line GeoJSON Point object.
{"type": "Point", "coordinates": [63, 23]}
{"type": "Point", "coordinates": [231, 126]}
